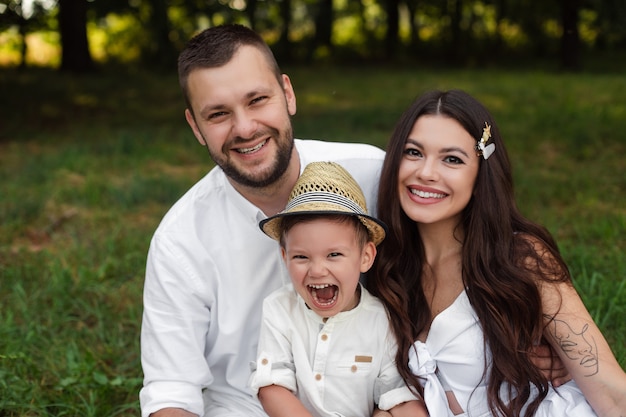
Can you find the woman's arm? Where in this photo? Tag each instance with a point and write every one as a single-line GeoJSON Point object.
{"type": "Point", "coordinates": [583, 349]}
{"type": "Point", "coordinates": [279, 401]}
{"type": "Point", "coordinates": [414, 408]}
{"type": "Point", "coordinates": [380, 413]}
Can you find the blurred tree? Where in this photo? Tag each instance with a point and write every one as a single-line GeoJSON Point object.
{"type": "Point", "coordinates": [393, 26]}
{"type": "Point", "coordinates": [501, 7]}
{"type": "Point", "coordinates": [455, 48]}
{"type": "Point", "coordinates": [323, 18]}
{"type": "Point", "coordinates": [610, 23]}
{"type": "Point", "coordinates": [155, 42]}
{"type": "Point", "coordinates": [251, 7]}
{"type": "Point", "coordinates": [570, 38]}
{"type": "Point", "coordinates": [14, 14]}
{"type": "Point", "coordinates": [75, 55]}
{"type": "Point", "coordinates": [284, 46]}
{"type": "Point", "coordinates": [414, 27]}
{"type": "Point", "coordinates": [532, 16]}
{"type": "Point", "coordinates": [160, 51]}
{"type": "Point", "coordinates": [462, 31]}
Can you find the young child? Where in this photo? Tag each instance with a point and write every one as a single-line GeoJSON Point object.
{"type": "Point", "coordinates": [325, 347]}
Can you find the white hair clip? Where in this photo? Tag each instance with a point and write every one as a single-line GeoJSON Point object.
{"type": "Point", "coordinates": [481, 148]}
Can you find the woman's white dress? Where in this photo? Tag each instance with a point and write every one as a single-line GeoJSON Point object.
{"type": "Point", "coordinates": [453, 359]}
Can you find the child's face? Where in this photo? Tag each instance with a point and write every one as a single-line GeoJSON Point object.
{"type": "Point", "coordinates": [325, 260]}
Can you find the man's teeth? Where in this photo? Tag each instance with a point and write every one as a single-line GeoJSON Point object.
{"type": "Point", "coordinates": [249, 150]}
{"type": "Point", "coordinates": [425, 194]}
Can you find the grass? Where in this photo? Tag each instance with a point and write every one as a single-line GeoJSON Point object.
{"type": "Point", "coordinates": [89, 165]}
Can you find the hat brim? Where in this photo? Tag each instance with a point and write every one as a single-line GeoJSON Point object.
{"type": "Point", "coordinates": [272, 225]}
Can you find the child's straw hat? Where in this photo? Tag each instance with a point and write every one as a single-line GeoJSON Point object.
{"type": "Point", "coordinates": [326, 188]}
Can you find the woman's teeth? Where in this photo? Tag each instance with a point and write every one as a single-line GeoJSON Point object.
{"type": "Point", "coordinates": [425, 194]}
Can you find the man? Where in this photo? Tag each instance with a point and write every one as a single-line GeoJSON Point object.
{"type": "Point", "coordinates": [209, 265]}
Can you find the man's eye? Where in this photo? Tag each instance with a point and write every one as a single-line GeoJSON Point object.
{"type": "Point", "coordinates": [257, 100]}
{"type": "Point", "coordinates": [216, 115]}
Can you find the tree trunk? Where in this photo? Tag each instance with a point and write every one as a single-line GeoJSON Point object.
{"type": "Point", "coordinates": [455, 47]}
{"type": "Point", "coordinates": [23, 44]}
{"type": "Point", "coordinates": [161, 52]}
{"type": "Point", "coordinates": [570, 40]}
{"type": "Point", "coordinates": [324, 23]}
{"type": "Point", "coordinates": [393, 25]}
{"type": "Point", "coordinates": [251, 7]}
{"type": "Point", "coordinates": [414, 24]}
{"type": "Point", "coordinates": [283, 51]}
{"type": "Point", "coordinates": [75, 56]}
{"type": "Point", "coordinates": [501, 10]}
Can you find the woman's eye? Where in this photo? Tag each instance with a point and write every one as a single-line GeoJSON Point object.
{"type": "Point", "coordinates": [453, 160]}
{"type": "Point", "coordinates": [413, 152]}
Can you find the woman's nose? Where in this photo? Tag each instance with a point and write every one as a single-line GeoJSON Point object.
{"type": "Point", "coordinates": [428, 170]}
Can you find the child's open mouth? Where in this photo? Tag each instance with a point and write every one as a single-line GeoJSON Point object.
{"type": "Point", "coordinates": [324, 295]}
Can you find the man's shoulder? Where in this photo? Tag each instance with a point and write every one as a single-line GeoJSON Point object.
{"type": "Point", "coordinates": [338, 151]}
{"type": "Point", "coordinates": [205, 193]}
{"type": "Point", "coordinates": [282, 301]}
{"type": "Point", "coordinates": [283, 294]}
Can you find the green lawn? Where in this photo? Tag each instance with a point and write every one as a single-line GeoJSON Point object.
{"type": "Point", "coordinates": [89, 165]}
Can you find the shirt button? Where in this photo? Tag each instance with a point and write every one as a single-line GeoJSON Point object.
{"type": "Point", "coordinates": [318, 377]}
{"type": "Point", "coordinates": [264, 361]}
{"type": "Point", "coordinates": [324, 337]}
{"type": "Point", "coordinates": [353, 368]}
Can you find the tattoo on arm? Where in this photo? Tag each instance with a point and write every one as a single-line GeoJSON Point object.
{"type": "Point", "coordinates": [578, 346]}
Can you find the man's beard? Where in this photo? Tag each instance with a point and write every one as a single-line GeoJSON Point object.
{"type": "Point", "coordinates": [285, 145]}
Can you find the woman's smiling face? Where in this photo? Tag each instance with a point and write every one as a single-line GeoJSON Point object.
{"type": "Point", "coordinates": [437, 171]}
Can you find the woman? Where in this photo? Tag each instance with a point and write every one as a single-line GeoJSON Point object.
{"type": "Point", "coordinates": [470, 281]}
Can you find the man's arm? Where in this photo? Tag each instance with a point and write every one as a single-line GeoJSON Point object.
{"type": "Point", "coordinates": [174, 324]}
{"type": "Point", "coordinates": [550, 364]}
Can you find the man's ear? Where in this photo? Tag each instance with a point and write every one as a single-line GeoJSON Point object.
{"type": "Point", "coordinates": [194, 127]}
{"type": "Point", "coordinates": [290, 95]}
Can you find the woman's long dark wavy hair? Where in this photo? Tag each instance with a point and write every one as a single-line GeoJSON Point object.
{"type": "Point", "coordinates": [500, 260]}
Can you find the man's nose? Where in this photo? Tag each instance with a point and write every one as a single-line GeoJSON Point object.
{"type": "Point", "coordinates": [244, 125]}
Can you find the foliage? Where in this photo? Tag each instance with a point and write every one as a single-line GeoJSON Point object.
{"type": "Point", "coordinates": [88, 169]}
{"type": "Point", "coordinates": [459, 32]}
